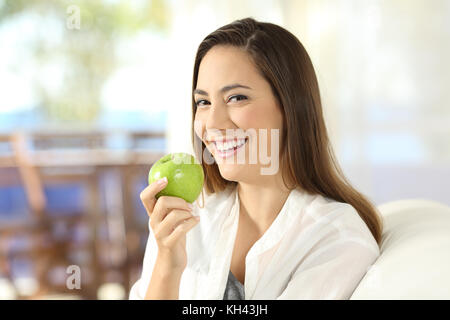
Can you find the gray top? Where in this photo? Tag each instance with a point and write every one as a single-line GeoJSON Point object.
{"type": "Point", "coordinates": [234, 289]}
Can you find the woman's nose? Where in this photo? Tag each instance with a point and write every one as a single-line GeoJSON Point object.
{"type": "Point", "coordinates": [217, 117]}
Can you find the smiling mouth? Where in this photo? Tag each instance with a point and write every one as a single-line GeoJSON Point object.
{"type": "Point", "coordinates": [225, 151]}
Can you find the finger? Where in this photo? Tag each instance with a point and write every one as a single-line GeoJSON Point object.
{"type": "Point", "coordinates": [148, 194]}
{"type": "Point", "coordinates": [171, 221]}
{"type": "Point", "coordinates": [181, 231]}
{"type": "Point", "coordinates": [167, 203]}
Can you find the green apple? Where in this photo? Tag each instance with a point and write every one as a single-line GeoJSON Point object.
{"type": "Point", "coordinates": [184, 175]}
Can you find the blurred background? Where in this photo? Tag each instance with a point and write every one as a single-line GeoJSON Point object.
{"type": "Point", "coordinates": [93, 92]}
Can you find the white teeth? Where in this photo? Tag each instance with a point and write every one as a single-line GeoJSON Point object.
{"type": "Point", "coordinates": [229, 145]}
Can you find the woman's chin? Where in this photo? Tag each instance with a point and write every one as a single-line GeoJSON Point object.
{"type": "Point", "coordinates": [231, 172]}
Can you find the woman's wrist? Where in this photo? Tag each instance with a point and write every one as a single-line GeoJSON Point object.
{"type": "Point", "coordinates": [166, 263]}
{"type": "Point", "coordinates": [165, 282]}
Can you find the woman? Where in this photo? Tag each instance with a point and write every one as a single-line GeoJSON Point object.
{"type": "Point", "coordinates": [297, 230]}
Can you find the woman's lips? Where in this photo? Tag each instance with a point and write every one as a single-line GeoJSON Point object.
{"type": "Point", "coordinates": [228, 153]}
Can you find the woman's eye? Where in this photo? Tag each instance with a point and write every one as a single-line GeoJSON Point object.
{"type": "Point", "coordinates": [203, 102]}
{"type": "Point", "coordinates": [198, 103]}
{"type": "Point", "coordinates": [239, 96]}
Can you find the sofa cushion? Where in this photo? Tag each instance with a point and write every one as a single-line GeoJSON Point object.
{"type": "Point", "coordinates": [415, 253]}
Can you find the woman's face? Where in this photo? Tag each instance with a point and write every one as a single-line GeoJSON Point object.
{"type": "Point", "coordinates": [235, 104]}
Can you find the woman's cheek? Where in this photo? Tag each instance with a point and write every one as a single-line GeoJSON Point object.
{"type": "Point", "coordinates": [199, 126]}
{"type": "Point", "coordinates": [245, 119]}
{"type": "Point", "coordinates": [264, 116]}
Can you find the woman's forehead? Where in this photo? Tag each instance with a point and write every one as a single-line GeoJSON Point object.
{"type": "Point", "coordinates": [223, 66]}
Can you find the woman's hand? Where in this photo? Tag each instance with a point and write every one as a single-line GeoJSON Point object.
{"type": "Point", "coordinates": [170, 220]}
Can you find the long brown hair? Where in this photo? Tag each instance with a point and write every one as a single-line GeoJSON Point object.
{"type": "Point", "coordinates": [306, 151]}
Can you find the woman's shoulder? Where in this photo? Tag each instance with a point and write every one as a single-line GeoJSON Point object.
{"type": "Point", "coordinates": [340, 217]}
{"type": "Point", "coordinates": [321, 207]}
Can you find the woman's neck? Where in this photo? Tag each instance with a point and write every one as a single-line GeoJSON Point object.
{"type": "Point", "coordinates": [261, 203]}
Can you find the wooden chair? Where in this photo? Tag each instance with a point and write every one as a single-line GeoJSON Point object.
{"type": "Point", "coordinates": [127, 229]}
{"type": "Point", "coordinates": [34, 225]}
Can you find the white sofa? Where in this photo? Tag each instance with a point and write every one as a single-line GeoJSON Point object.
{"type": "Point", "coordinates": [415, 253]}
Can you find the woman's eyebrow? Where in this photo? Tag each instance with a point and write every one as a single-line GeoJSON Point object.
{"type": "Point", "coordinates": [223, 90]}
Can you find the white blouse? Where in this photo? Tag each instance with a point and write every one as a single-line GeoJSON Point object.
{"type": "Point", "coordinates": [316, 248]}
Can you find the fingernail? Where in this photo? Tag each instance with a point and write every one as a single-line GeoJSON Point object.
{"type": "Point", "coordinates": [197, 218]}
{"type": "Point", "coordinates": [190, 206]}
{"type": "Point", "coordinates": [162, 181]}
